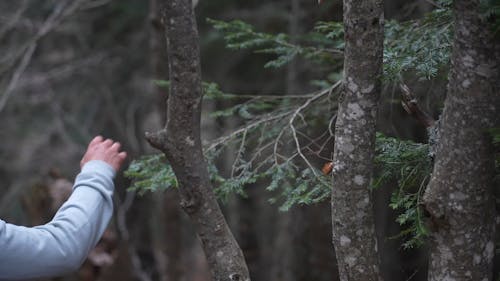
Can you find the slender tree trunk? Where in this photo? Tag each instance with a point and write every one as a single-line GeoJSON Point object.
{"type": "Point", "coordinates": [181, 143]}
{"type": "Point", "coordinates": [167, 217]}
{"type": "Point", "coordinates": [459, 197]}
{"type": "Point", "coordinates": [352, 214]}
{"type": "Point", "coordinates": [282, 258]}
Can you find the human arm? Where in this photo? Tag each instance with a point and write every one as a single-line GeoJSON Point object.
{"type": "Point", "coordinates": [61, 245]}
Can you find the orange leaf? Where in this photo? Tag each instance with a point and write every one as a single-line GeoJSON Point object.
{"type": "Point", "coordinates": [327, 168]}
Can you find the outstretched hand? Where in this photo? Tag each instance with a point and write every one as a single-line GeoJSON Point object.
{"type": "Point", "coordinates": [104, 150]}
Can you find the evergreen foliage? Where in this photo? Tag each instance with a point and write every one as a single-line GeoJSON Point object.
{"type": "Point", "coordinates": [408, 165]}
{"type": "Point", "coordinates": [151, 173]}
{"type": "Point", "coordinates": [279, 144]}
{"type": "Point", "coordinates": [274, 147]}
{"type": "Point", "coordinates": [240, 35]}
{"type": "Point", "coordinates": [490, 10]}
{"type": "Point", "coordinates": [422, 45]}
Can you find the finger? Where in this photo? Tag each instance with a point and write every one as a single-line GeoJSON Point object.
{"type": "Point", "coordinates": [118, 160]}
{"type": "Point", "coordinates": [94, 141]}
{"type": "Point", "coordinates": [107, 143]}
{"type": "Point", "coordinates": [116, 146]}
{"type": "Point", "coordinates": [122, 155]}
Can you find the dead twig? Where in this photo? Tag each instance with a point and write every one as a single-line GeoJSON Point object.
{"type": "Point", "coordinates": [26, 53]}
{"type": "Point", "coordinates": [297, 113]}
{"type": "Point", "coordinates": [410, 104]}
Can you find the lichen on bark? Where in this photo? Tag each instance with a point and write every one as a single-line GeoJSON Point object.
{"type": "Point", "coordinates": [180, 142]}
{"type": "Point", "coordinates": [352, 215]}
{"type": "Point", "coordinates": [459, 197]}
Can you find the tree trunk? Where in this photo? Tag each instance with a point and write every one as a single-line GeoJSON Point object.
{"type": "Point", "coordinates": [167, 219]}
{"type": "Point", "coordinates": [459, 197]}
{"type": "Point", "coordinates": [181, 143]}
{"type": "Point", "coordinates": [352, 214]}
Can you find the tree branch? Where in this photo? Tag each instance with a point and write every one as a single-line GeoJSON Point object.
{"type": "Point", "coordinates": [181, 143]}
{"type": "Point", "coordinates": [26, 53]}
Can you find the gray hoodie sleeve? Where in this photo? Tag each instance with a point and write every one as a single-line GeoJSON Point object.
{"type": "Point", "coordinates": [61, 245]}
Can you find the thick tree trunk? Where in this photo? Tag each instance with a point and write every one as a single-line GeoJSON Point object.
{"type": "Point", "coordinates": [352, 214]}
{"type": "Point", "coordinates": [181, 143]}
{"type": "Point", "coordinates": [459, 197]}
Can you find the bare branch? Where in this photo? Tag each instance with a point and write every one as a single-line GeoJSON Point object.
{"type": "Point", "coordinates": [297, 112]}
{"type": "Point", "coordinates": [331, 124]}
{"type": "Point", "coordinates": [55, 18]}
{"type": "Point", "coordinates": [239, 153]}
{"type": "Point", "coordinates": [276, 144]}
{"type": "Point", "coordinates": [250, 126]}
{"type": "Point", "coordinates": [17, 74]}
{"type": "Point", "coordinates": [6, 27]}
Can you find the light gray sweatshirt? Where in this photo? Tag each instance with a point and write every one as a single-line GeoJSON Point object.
{"type": "Point", "coordinates": [61, 245]}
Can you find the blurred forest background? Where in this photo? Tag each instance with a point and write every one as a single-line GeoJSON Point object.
{"type": "Point", "coordinates": [70, 70]}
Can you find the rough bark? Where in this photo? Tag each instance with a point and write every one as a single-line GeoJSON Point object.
{"type": "Point", "coordinates": [167, 220]}
{"type": "Point", "coordinates": [180, 142]}
{"type": "Point", "coordinates": [459, 197]}
{"type": "Point", "coordinates": [352, 214]}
